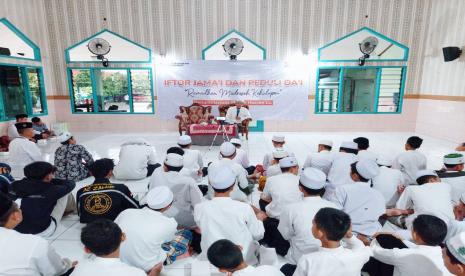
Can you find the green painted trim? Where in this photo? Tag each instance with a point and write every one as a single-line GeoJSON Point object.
{"type": "Point", "coordinates": [401, 94]}
{"type": "Point", "coordinates": [115, 61]}
{"type": "Point", "coordinates": [27, 92]}
{"type": "Point", "coordinates": [44, 95]}
{"type": "Point", "coordinates": [23, 37]}
{"type": "Point", "coordinates": [130, 99]}
{"type": "Point", "coordinates": [377, 88]}
{"type": "Point", "coordinates": [406, 53]}
{"type": "Point", "coordinates": [259, 128]}
{"type": "Point", "coordinates": [341, 90]}
{"type": "Point", "coordinates": [94, 90]}
{"type": "Point", "coordinates": [241, 35]}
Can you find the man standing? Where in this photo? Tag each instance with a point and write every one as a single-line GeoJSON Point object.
{"type": "Point", "coordinates": [453, 174]}
{"type": "Point", "coordinates": [321, 160]}
{"type": "Point", "coordinates": [22, 150]}
{"type": "Point", "coordinates": [411, 161]}
{"type": "Point", "coordinates": [296, 219]}
{"type": "Point", "coordinates": [238, 115]}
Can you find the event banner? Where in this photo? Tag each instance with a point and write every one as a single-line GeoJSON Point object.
{"type": "Point", "coordinates": [274, 90]}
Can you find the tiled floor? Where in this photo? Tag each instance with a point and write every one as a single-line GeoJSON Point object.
{"type": "Point", "coordinates": [66, 240]}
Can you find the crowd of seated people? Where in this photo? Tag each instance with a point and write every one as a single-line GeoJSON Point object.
{"type": "Point", "coordinates": [340, 213]}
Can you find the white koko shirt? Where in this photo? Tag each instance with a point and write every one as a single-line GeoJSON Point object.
{"type": "Point", "coordinates": [415, 260]}
{"type": "Point", "coordinates": [282, 189]}
{"type": "Point", "coordinates": [186, 194]}
{"type": "Point", "coordinates": [339, 174]}
{"type": "Point", "coordinates": [295, 225]}
{"type": "Point", "coordinates": [106, 266]}
{"type": "Point", "coordinates": [263, 270]}
{"type": "Point", "coordinates": [133, 160]}
{"type": "Point", "coordinates": [363, 204]}
{"type": "Point", "coordinates": [386, 182]}
{"type": "Point", "coordinates": [341, 261]}
{"type": "Point", "coordinates": [429, 198]}
{"type": "Point", "coordinates": [409, 163]}
{"type": "Point", "coordinates": [321, 160]}
{"type": "Point", "coordinates": [146, 230]}
{"type": "Point", "coordinates": [29, 255]}
{"type": "Point", "coordinates": [224, 218]}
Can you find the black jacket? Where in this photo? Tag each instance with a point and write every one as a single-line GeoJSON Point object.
{"type": "Point", "coordinates": [103, 199]}
{"type": "Point", "coordinates": [38, 199]}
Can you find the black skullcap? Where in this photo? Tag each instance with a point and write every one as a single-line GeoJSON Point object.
{"type": "Point", "coordinates": [20, 116]}
{"type": "Point", "coordinates": [24, 125]}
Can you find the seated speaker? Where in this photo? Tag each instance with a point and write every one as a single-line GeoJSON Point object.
{"type": "Point", "coordinates": [451, 53]}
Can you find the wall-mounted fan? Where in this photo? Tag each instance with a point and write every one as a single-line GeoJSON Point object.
{"type": "Point", "coordinates": [367, 46]}
{"type": "Point", "coordinates": [233, 47]}
{"type": "Point", "coordinates": [100, 47]}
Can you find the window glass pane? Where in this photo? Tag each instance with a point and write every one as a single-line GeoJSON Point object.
{"type": "Point", "coordinates": [328, 90]}
{"type": "Point", "coordinates": [112, 90]}
{"type": "Point", "coordinates": [82, 90]}
{"type": "Point", "coordinates": [359, 89]}
{"type": "Point", "coordinates": [141, 91]}
{"type": "Point", "coordinates": [35, 90]}
{"type": "Point", "coordinates": [389, 89]}
{"type": "Point", "coordinates": [13, 94]}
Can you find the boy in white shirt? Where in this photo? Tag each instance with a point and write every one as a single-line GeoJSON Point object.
{"type": "Point", "coordinates": [242, 157]}
{"type": "Point", "coordinates": [225, 218]}
{"type": "Point", "coordinates": [330, 226]}
{"type": "Point", "coordinates": [428, 233]}
{"type": "Point", "coordinates": [103, 238]}
{"type": "Point", "coordinates": [363, 145]}
{"type": "Point", "coordinates": [321, 160]}
{"type": "Point", "coordinates": [430, 196]}
{"type": "Point", "coordinates": [227, 257]}
{"type": "Point", "coordinates": [388, 182]}
{"type": "Point", "coordinates": [297, 217]}
{"type": "Point", "coordinates": [25, 254]}
{"type": "Point", "coordinates": [192, 158]}
{"type": "Point", "coordinates": [278, 143]}
{"type": "Point", "coordinates": [411, 161]}
{"type": "Point", "coordinates": [454, 255]}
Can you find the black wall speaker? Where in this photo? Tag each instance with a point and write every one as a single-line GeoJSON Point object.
{"type": "Point", "coordinates": [5, 51]}
{"type": "Point", "coordinates": [451, 53]}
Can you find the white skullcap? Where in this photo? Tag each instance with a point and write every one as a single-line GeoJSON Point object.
{"type": "Point", "coordinates": [454, 159]}
{"type": "Point", "coordinates": [273, 170]}
{"type": "Point", "coordinates": [222, 177]}
{"type": "Point", "coordinates": [367, 168]}
{"type": "Point", "coordinates": [384, 161]}
{"type": "Point", "coordinates": [227, 149]}
{"type": "Point", "coordinates": [313, 178]}
{"type": "Point", "coordinates": [65, 136]}
{"type": "Point", "coordinates": [280, 153]}
{"type": "Point", "coordinates": [174, 160]}
{"type": "Point", "coordinates": [236, 141]}
{"type": "Point", "coordinates": [159, 197]}
{"type": "Point", "coordinates": [288, 162]}
{"type": "Point", "coordinates": [184, 140]}
{"type": "Point", "coordinates": [425, 173]}
{"type": "Point", "coordinates": [326, 143]}
{"type": "Point", "coordinates": [456, 246]}
{"type": "Point", "coordinates": [278, 138]}
{"type": "Point", "coordinates": [349, 145]}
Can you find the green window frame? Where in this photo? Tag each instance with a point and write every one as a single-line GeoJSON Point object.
{"type": "Point", "coordinates": [389, 79]}
{"type": "Point", "coordinates": [33, 94]}
{"type": "Point", "coordinates": [91, 105]}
